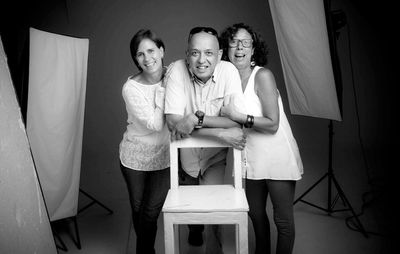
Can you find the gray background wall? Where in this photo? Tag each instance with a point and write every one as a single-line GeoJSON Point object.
{"type": "Point", "coordinates": [109, 25]}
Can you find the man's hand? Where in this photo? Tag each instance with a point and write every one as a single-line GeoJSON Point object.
{"type": "Point", "coordinates": [234, 137]}
{"type": "Point", "coordinates": [184, 127]}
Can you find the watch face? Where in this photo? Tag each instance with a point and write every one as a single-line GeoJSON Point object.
{"type": "Point", "coordinates": [199, 113]}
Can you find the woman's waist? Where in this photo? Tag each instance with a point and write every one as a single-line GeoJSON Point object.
{"type": "Point", "coordinates": [147, 137]}
{"type": "Point", "coordinates": [137, 130]}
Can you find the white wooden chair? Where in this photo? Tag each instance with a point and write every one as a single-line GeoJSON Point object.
{"type": "Point", "coordinates": [204, 204]}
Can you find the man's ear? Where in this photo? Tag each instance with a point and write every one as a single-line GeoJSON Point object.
{"type": "Point", "coordinates": [162, 52]}
{"type": "Point", "coordinates": [187, 57]}
{"type": "Point", "coordinates": [220, 52]}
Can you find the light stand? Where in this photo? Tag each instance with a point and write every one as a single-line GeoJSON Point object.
{"type": "Point", "coordinates": [77, 241]}
{"type": "Point", "coordinates": [332, 179]}
{"type": "Point", "coordinates": [335, 20]}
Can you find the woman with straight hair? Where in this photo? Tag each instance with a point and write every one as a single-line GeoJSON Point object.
{"type": "Point", "coordinates": [144, 149]}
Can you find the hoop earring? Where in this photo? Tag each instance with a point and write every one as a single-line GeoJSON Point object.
{"type": "Point", "coordinates": [252, 62]}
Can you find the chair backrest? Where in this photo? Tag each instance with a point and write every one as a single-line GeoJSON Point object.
{"type": "Point", "coordinates": [197, 142]}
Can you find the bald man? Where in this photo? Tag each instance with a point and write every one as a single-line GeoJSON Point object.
{"type": "Point", "coordinates": [196, 89]}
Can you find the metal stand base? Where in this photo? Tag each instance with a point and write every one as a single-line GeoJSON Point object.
{"type": "Point", "coordinates": [63, 247]}
{"type": "Point", "coordinates": [332, 179]}
{"type": "Point", "coordinates": [76, 241]}
{"type": "Point", "coordinates": [94, 201]}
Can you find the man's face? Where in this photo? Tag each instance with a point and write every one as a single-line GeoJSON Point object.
{"type": "Point", "coordinates": [203, 54]}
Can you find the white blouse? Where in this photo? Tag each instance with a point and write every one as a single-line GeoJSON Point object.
{"type": "Point", "coordinates": [145, 143]}
{"type": "Point", "coordinates": [270, 155]}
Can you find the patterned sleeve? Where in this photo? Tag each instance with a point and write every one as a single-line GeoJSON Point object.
{"type": "Point", "coordinates": [147, 114]}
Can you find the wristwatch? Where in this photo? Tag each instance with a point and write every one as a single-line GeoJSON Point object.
{"type": "Point", "coordinates": [200, 116]}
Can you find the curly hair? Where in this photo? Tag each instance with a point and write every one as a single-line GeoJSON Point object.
{"type": "Point", "coordinates": [137, 39]}
{"type": "Point", "coordinates": [259, 45]}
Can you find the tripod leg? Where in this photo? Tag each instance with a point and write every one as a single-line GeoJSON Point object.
{"type": "Point", "coordinates": [78, 238]}
{"type": "Point", "coordinates": [63, 247]}
{"type": "Point", "coordinates": [309, 189]}
{"type": "Point", "coordinates": [94, 201]}
{"type": "Point", "coordinates": [344, 198]}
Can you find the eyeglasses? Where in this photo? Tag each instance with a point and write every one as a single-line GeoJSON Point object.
{"type": "Point", "coordinates": [246, 43]}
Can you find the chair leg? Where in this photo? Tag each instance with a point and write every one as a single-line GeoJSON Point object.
{"type": "Point", "coordinates": [242, 234]}
{"type": "Point", "coordinates": [169, 234]}
{"type": "Point", "coordinates": [177, 237]}
{"type": "Point", "coordinates": [237, 238]}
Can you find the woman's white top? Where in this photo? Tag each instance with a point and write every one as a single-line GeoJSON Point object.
{"type": "Point", "coordinates": [145, 143]}
{"type": "Point", "coordinates": [269, 155]}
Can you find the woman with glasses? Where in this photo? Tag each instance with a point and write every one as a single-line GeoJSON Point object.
{"type": "Point", "coordinates": [271, 158]}
{"type": "Point", "coordinates": [144, 149]}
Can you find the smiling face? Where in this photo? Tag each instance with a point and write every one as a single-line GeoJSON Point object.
{"type": "Point", "coordinates": [203, 54]}
{"type": "Point", "coordinates": [149, 56]}
{"type": "Point", "coordinates": [239, 55]}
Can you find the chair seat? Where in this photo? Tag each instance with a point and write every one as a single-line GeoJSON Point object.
{"type": "Point", "coordinates": [206, 198]}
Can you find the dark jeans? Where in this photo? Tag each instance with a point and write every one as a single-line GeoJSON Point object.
{"type": "Point", "coordinates": [282, 195]}
{"type": "Point", "coordinates": [147, 192]}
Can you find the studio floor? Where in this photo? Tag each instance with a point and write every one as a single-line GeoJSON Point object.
{"type": "Point", "coordinates": [316, 231]}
